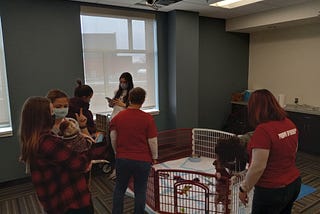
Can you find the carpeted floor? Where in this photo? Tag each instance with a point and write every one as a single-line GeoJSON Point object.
{"type": "Point", "coordinates": [21, 199]}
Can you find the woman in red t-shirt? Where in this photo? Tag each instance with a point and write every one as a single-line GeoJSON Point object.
{"type": "Point", "coordinates": [272, 150]}
{"type": "Point", "coordinates": [133, 134]}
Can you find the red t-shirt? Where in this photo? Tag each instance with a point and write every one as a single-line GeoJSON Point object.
{"type": "Point", "coordinates": [133, 127]}
{"type": "Point", "coordinates": [281, 138]}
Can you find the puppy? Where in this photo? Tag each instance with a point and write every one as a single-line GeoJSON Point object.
{"type": "Point", "coordinates": [72, 137]}
{"type": "Point", "coordinates": [231, 158]}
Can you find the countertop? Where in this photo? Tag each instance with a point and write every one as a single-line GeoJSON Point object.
{"type": "Point", "coordinates": [306, 109]}
{"type": "Point", "coordinates": [299, 108]}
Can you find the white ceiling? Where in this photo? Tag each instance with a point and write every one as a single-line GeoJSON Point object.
{"type": "Point", "coordinates": [203, 8]}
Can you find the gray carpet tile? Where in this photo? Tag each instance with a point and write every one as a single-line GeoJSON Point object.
{"type": "Point", "coordinates": [21, 198]}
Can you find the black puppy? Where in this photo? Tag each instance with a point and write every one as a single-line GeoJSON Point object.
{"type": "Point", "coordinates": [231, 158]}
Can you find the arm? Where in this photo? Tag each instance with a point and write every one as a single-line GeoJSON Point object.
{"type": "Point", "coordinates": [153, 144]}
{"type": "Point", "coordinates": [256, 169]}
{"type": "Point", "coordinates": [258, 164]}
{"type": "Point", "coordinates": [113, 137]}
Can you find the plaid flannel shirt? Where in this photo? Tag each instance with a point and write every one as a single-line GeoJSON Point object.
{"type": "Point", "coordinates": [58, 174]}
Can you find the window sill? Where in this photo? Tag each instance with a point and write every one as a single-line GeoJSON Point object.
{"type": "Point", "coordinates": [153, 112]}
{"type": "Point", "coordinates": [6, 132]}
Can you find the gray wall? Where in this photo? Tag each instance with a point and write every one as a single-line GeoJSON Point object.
{"type": "Point", "coordinates": [42, 44]}
{"type": "Point", "coordinates": [184, 68]}
{"type": "Point", "coordinates": [223, 65]}
{"type": "Point", "coordinates": [43, 50]}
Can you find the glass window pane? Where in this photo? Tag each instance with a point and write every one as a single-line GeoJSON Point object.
{"type": "Point", "coordinates": [5, 119]}
{"type": "Point", "coordinates": [96, 25]}
{"type": "Point", "coordinates": [112, 47]}
{"type": "Point", "coordinates": [138, 35]}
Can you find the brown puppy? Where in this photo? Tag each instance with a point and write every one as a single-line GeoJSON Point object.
{"type": "Point", "coordinates": [72, 136]}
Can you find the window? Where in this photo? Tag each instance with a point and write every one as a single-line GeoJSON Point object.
{"type": "Point", "coordinates": [5, 119]}
{"type": "Point", "coordinates": [113, 43]}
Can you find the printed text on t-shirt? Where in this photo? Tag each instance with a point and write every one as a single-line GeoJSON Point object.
{"type": "Point", "coordinates": [287, 133]}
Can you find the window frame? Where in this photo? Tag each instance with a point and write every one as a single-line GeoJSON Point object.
{"type": "Point", "coordinates": [130, 16]}
{"type": "Point", "coordinates": [6, 125]}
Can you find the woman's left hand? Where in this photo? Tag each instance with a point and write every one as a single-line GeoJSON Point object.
{"type": "Point", "coordinates": [243, 196]}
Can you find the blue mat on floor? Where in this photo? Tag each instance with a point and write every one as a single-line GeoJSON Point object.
{"type": "Point", "coordinates": [305, 190]}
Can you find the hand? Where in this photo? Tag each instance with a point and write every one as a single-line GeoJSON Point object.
{"type": "Point", "coordinates": [82, 120]}
{"type": "Point", "coordinates": [243, 196]}
{"type": "Point", "coordinates": [118, 102]}
{"type": "Point", "coordinates": [154, 161]}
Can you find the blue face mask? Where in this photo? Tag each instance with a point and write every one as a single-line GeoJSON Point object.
{"type": "Point", "coordinates": [60, 112]}
{"type": "Point", "coordinates": [124, 86]}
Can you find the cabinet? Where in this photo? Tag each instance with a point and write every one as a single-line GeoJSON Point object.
{"type": "Point", "coordinates": [307, 124]}
{"type": "Point", "coordinates": [309, 131]}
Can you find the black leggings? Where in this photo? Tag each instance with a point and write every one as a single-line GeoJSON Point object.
{"type": "Point", "coordinates": [275, 201]}
{"type": "Point", "coordinates": [84, 210]}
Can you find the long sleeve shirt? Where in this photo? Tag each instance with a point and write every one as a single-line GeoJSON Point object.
{"type": "Point", "coordinates": [58, 174]}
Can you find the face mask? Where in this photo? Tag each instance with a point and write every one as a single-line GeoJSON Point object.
{"type": "Point", "coordinates": [60, 112]}
{"type": "Point", "coordinates": [124, 86]}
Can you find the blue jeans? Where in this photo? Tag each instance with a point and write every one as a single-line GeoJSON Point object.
{"type": "Point", "coordinates": [125, 169]}
{"type": "Point", "coordinates": [275, 201]}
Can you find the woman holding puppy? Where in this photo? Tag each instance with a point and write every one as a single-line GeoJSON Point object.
{"type": "Point", "coordinates": [57, 172]}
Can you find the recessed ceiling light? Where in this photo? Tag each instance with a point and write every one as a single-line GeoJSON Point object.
{"type": "Point", "coordinates": [233, 3]}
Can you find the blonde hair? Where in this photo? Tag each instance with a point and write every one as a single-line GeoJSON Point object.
{"type": "Point", "coordinates": [34, 121]}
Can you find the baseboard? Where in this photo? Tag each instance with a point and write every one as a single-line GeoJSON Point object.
{"type": "Point", "coordinates": [15, 182]}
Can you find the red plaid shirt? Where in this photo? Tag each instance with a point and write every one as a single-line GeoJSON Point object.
{"type": "Point", "coordinates": [58, 174]}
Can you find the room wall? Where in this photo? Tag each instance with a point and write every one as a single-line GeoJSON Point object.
{"type": "Point", "coordinates": [223, 70]}
{"type": "Point", "coordinates": [184, 69]}
{"type": "Point", "coordinates": [43, 50]}
{"type": "Point", "coordinates": [286, 61]}
{"type": "Point", "coordinates": [42, 43]}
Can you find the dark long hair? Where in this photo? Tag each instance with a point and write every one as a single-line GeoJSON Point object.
{"type": "Point", "coordinates": [82, 90]}
{"type": "Point", "coordinates": [127, 76]}
{"type": "Point", "coordinates": [35, 119]}
{"type": "Point", "coordinates": [263, 107]}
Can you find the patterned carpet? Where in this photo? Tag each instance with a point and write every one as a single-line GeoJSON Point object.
{"type": "Point", "coordinates": [21, 199]}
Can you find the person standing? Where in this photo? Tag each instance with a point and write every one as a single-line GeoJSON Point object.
{"type": "Point", "coordinates": [81, 102]}
{"type": "Point", "coordinates": [120, 100]}
{"type": "Point", "coordinates": [134, 139]}
{"type": "Point", "coordinates": [57, 172]}
{"type": "Point", "coordinates": [272, 150]}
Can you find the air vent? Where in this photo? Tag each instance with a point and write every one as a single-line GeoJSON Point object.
{"type": "Point", "coordinates": [167, 2]}
{"type": "Point", "coordinates": [157, 3]}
